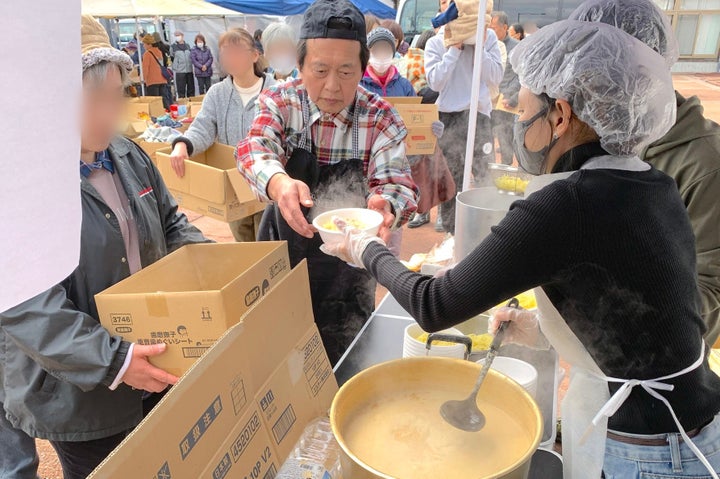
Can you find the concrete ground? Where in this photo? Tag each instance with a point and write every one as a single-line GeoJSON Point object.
{"type": "Point", "coordinates": [421, 240]}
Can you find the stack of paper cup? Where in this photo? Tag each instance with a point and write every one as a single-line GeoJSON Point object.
{"type": "Point", "coordinates": [519, 371]}
{"type": "Point", "coordinates": [413, 347]}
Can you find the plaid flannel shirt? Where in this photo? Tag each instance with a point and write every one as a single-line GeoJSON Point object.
{"type": "Point", "coordinates": [278, 126]}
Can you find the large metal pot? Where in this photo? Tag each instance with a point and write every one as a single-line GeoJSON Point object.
{"type": "Point", "coordinates": [387, 421]}
{"type": "Point", "coordinates": [476, 211]}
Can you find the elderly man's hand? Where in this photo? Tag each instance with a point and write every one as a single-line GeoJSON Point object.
{"type": "Point", "coordinates": [178, 157]}
{"type": "Point", "coordinates": [140, 374]}
{"type": "Point", "coordinates": [290, 195]}
{"type": "Point", "coordinates": [382, 206]}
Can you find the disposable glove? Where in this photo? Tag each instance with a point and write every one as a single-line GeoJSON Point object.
{"type": "Point", "coordinates": [353, 245]}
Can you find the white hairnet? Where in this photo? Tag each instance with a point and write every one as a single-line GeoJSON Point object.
{"type": "Point", "coordinates": [616, 84]}
{"type": "Point", "coordinates": [642, 19]}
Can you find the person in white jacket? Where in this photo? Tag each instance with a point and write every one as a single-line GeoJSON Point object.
{"type": "Point", "coordinates": [449, 72]}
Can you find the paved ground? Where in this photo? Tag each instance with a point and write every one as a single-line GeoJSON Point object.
{"type": "Point", "coordinates": [706, 86]}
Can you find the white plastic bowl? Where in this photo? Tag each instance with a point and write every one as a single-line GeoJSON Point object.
{"type": "Point", "coordinates": [519, 371]}
{"type": "Point", "coordinates": [369, 218]}
{"type": "Point", "coordinates": [414, 348]}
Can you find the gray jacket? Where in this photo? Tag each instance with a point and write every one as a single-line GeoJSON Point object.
{"type": "Point", "coordinates": [181, 62]}
{"type": "Point", "coordinates": [56, 360]}
{"type": "Point", "coordinates": [223, 117]}
{"type": "Point", "coordinates": [510, 84]}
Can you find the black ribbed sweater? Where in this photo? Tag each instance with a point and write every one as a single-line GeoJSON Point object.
{"type": "Point", "coordinates": [614, 251]}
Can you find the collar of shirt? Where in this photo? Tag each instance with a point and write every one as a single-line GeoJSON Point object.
{"type": "Point", "coordinates": [342, 120]}
{"type": "Point", "coordinates": [102, 160]}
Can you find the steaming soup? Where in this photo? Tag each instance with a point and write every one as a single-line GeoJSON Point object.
{"type": "Point", "coordinates": [352, 222]}
{"type": "Point", "coordinates": [404, 436]}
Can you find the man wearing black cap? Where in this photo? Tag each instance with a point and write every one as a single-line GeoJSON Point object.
{"type": "Point", "coordinates": [321, 143]}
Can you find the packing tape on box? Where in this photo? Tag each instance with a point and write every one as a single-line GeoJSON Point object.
{"type": "Point", "coordinates": [157, 305]}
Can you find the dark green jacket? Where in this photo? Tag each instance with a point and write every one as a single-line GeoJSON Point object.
{"type": "Point", "coordinates": [56, 361]}
{"type": "Point", "coordinates": [690, 153]}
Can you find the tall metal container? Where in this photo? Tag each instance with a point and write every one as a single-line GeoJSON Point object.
{"type": "Point", "coordinates": [477, 211]}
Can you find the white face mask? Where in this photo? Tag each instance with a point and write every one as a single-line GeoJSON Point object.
{"type": "Point", "coordinates": [283, 65]}
{"type": "Point", "coordinates": [380, 65]}
{"type": "Point", "coordinates": [200, 44]}
{"type": "Point", "coordinates": [178, 39]}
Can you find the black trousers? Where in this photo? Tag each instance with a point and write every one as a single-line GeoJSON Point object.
{"type": "Point", "coordinates": [79, 459]}
{"type": "Point", "coordinates": [162, 90]}
{"type": "Point", "coordinates": [502, 125]}
{"type": "Point", "coordinates": [204, 84]}
{"type": "Point", "coordinates": [185, 84]}
{"type": "Point", "coordinates": [453, 144]}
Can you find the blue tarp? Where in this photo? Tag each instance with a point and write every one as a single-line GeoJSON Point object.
{"type": "Point", "coordinates": [297, 7]}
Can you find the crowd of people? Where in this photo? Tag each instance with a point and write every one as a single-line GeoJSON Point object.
{"type": "Point", "coordinates": [608, 242]}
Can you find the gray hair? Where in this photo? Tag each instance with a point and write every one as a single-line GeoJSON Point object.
{"type": "Point", "coordinates": [502, 18]}
{"type": "Point", "coordinates": [278, 32]}
{"type": "Point", "coordinates": [97, 73]}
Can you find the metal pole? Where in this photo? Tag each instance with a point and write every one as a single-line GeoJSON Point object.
{"type": "Point", "coordinates": [139, 44]}
{"type": "Point", "coordinates": [475, 95]}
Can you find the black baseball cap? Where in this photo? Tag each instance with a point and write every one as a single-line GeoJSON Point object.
{"type": "Point", "coordinates": [338, 19]}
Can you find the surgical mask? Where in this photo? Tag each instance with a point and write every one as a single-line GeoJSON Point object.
{"type": "Point", "coordinates": [533, 162]}
{"type": "Point", "coordinates": [178, 39]}
{"type": "Point", "coordinates": [200, 44]}
{"type": "Point", "coordinates": [283, 65]}
{"type": "Point", "coordinates": [380, 65]}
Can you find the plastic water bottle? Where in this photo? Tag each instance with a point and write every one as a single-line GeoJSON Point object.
{"type": "Point", "coordinates": [316, 454]}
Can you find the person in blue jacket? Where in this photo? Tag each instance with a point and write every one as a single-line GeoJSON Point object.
{"type": "Point", "coordinates": [381, 77]}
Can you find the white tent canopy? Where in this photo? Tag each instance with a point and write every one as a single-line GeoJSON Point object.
{"type": "Point", "coordinates": [152, 8]}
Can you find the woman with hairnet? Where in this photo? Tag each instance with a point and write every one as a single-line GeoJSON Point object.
{"type": "Point", "coordinates": [689, 152]}
{"type": "Point", "coordinates": [606, 241]}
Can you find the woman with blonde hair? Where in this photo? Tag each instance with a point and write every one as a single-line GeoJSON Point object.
{"type": "Point", "coordinates": [228, 110]}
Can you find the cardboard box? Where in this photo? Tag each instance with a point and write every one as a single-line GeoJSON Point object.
{"type": "Point", "coordinates": [191, 297]}
{"type": "Point", "coordinates": [418, 120]}
{"type": "Point", "coordinates": [151, 147]}
{"type": "Point", "coordinates": [132, 129]}
{"type": "Point", "coordinates": [194, 105]}
{"type": "Point", "coordinates": [215, 423]}
{"type": "Point", "coordinates": [212, 185]}
{"type": "Point", "coordinates": [153, 105]}
{"type": "Point", "coordinates": [403, 100]}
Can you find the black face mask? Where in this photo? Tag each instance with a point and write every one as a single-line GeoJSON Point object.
{"type": "Point", "coordinates": [532, 162]}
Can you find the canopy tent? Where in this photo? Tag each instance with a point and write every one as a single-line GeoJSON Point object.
{"type": "Point", "coordinates": [298, 7]}
{"type": "Point", "coordinates": [152, 8]}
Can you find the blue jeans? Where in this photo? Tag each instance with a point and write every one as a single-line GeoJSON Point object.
{"type": "Point", "coordinates": [18, 456]}
{"type": "Point", "coordinates": [676, 460]}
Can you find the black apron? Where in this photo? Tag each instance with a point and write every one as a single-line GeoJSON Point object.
{"type": "Point", "coordinates": [343, 297]}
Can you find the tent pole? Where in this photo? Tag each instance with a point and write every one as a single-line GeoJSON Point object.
{"type": "Point", "coordinates": [139, 43]}
{"type": "Point", "coordinates": [475, 95]}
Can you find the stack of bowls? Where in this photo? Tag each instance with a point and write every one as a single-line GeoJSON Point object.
{"type": "Point", "coordinates": [414, 348]}
{"type": "Point", "coordinates": [519, 371]}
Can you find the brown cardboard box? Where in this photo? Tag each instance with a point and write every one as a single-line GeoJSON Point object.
{"type": "Point", "coordinates": [188, 299]}
{"type": "Point", "coordinates": [132, 129]}
{"type": "Point", "coordinates": [212, 185]}
{"type": "Point", "coordinates": [214, 422]}
{"type": "Point", "coordinates": [151, 147]}
{"type": "Point", "coordinates": [403, 100]}
{"type": "Point", "coordinates": [194, 104]}
{"type": "Point", "coordinates": [418, 120]}
{"type": "Point", "coordinates": [152, 105]}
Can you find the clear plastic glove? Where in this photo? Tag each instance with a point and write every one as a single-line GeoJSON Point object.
{"type": "Point", "coordinates": [353, 245]}
{"type": "Point", "coordinates": [438, 128]}
{"type": "Point", "coordinates": [524, 328]}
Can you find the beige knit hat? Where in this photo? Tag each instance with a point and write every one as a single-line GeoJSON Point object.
{"type": "Point", "coordinates": [95, 46]}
